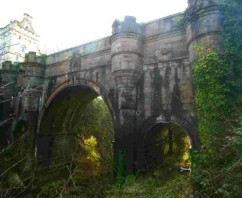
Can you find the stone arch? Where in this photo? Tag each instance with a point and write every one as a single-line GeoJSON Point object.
{"type": "Point", "coordinates": [96, 87]}
{"type": "Point", "coordinates": [155, 124]}
{"type": "Point", "coordinates": [66, 100]}
{"type": "Point", "coordinates": [190, 128]}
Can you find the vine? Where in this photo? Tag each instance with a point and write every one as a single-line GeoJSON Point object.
{"type": "Point", "coordinates": [218, 80]}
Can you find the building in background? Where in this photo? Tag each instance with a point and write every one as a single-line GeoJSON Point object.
{"type": "Point", "coordinates": [16, 39]}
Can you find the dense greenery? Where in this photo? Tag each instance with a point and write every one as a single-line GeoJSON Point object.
{"type": "Point", "coordinates": [90, 174]}
{"type": "Point", "coordinates": [16, 165]}
{"type": "Point", "coordinates": [159, 183]}
{"type": "Point", "coordinates": [90, 171]}
{"type": "Point", "coordinates": [218, 79]}
{"type": "Point", "coordinates": [90, 166]}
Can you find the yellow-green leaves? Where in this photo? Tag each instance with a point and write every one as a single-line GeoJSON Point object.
{"type": "Point", "coordinates": [89, 145]}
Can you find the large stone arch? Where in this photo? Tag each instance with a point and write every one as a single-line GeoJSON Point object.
{"type": "Point", "coordinates": [65, 101]}
{"type": "Point", "coordinates": [92, 85]}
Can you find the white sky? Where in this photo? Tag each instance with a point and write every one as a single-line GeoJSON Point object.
{"type": "Point", "coordinates": [67, 23]}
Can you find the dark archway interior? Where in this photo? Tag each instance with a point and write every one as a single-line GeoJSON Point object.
{"type": "Point", "coordinates": [167, 144]}
{"type": "Point", "coordinates": [56, 139]}
{"type": "Point", "coordinates": [20, 129]}
{"type": "Point", "coordinates": [57, 116]}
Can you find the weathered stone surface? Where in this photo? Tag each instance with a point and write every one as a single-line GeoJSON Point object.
{"type": "Point", "coordinates": [142, 71]}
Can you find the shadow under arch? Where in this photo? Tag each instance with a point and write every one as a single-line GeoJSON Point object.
{"type": "Point", "coordinates": [20, 128]}
{"type": "Point", "coordinates": [55, 135]}
{"type": "Point", "coordinates": [95, 88]}
{"type": "Point", "coordinates": [163, 140]}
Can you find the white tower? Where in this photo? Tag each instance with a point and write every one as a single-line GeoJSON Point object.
{"type": "Point", "coordinates": [16, 39]}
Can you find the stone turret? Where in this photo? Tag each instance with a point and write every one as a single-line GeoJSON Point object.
{"type": "Point", "coordinates": [127, 62]}
{"type": "Point", "coordinates": [126, 52]}
{"type": "Point", "coordinates": [203, 24]}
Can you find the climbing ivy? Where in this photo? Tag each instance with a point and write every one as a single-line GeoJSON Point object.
{"type": "Point", "coordinates": [218, 79]}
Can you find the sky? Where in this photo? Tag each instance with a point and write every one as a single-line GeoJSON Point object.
{"type": "Point", "coordinates": [63, 24]}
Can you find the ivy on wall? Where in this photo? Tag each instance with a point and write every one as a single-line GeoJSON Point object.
{"type": "Point", "coordinates": [218, 80]}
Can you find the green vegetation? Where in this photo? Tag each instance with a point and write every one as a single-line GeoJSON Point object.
{"type": "Point", "coordinates": [165, 179]}
{"type": "Point", "coordinates": [154, 185]}
{"type": "Point", "coordinates": [217, 169]}
{"type": "Point", "coordinates": [89, 145]}
{"type": "Point", "coordinates": [89, 173]}
{"type": "Point", "coordinates": [16, 165]}
{"type": "Point", "coordinates": [90, 166]}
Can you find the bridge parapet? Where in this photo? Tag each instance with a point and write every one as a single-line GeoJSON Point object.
{"type": "Point", "coordinates": [164, 26]}
{"type": "Point", "coordinates": [94, 47]}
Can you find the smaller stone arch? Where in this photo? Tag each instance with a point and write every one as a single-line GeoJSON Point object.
{"type": "Point", "coordinates": [190, 126]}
{"type": "Point", "coordinates": [158, 139]}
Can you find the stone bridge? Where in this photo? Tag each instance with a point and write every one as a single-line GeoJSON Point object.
{"type": "Point", "coordinates": [143, 72]}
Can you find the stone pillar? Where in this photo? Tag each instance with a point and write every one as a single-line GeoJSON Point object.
{"type": "Point", "coordinates": [127, 61]}
{"type": "Point", "coordinates": [30, 105]}
{"type": "Point", "coordinates": [32, 86]}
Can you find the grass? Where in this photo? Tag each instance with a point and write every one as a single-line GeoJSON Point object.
{"type": "Point", "coordinates": [159, 183]}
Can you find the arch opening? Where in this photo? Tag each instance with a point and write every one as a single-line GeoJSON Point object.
{"type": "Point", "coordinates": [74, 120]}
{"type": "Point", "coordinates": [167, 147]}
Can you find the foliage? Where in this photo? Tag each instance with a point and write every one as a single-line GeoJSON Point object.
{"type": "Point", "coordinates": [154, 185]}
{"type": "Point", "coordinates": [92, 164]}
{"type": "Point", "coordinates": [89, 145]}
{"type": "Point", "coordinates": [169, 145]}
{"type": "Point", "coordinates": [163, 180]}
{"type": "Point", "coordinates": [94, 132]}
{"type": "Point", "coordinates": [95, 127]}
{"type": "Point", "coordinates": [121, 168]}
{"type": "Point", "coordinates": [16, 168]}
{"type": "Point", "coordinates": [95, 120]}
{"type": "Point", "coordinates": [218, 80]}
